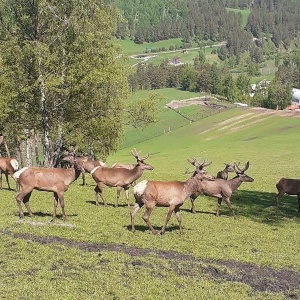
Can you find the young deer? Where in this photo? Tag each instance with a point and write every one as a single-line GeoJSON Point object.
{"type": "Point", "coordinates": [121, 178]}
{"type": "Point", "coordinates": [223, 189]}
{"type": "Point", "coordinates": [168, 194]}
{"type": "Point", "coordinates": [56, 180]}
{"type": "Point", "coordinates": [8, 166]}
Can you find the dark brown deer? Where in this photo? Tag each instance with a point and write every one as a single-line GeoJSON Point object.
{"type": "Point", "coordinates": [224, 173]}
{"type": "Point", "coordinates": [167, 194]}
{"type": "Point", "coordinates": [56, 180]}
{"type": "Point", "coordinates": [8, 166]}
{"type": "Point", "coordinates": [121, 178]}
{"type": "Point", "coordinates": [223, 189]}
{"type": "Point", "coordinates": [88, 164]}
{"type": "Point", "coordinates": [290, 187]}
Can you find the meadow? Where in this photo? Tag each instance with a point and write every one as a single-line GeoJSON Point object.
{"type": "Point", "coordinates": [95, 256]}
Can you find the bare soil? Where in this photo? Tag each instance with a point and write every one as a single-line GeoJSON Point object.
{"type": "Point", "coordinates": [258, 278]}
{"type": "Point", "coordinates": [174, 104]}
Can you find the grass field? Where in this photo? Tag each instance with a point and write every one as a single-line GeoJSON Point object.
{"type": "Point", "coordinates": [254, 257]}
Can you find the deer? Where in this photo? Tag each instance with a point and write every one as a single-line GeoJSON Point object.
{"type": "Point", "coordinates": [171, 194]}
{"type": "Point", "coordinates": [88, 164]}
{"type": "Point", "coordinates": [121, 178]}
{"type": "Point", "coordinates": [197, 193]}
{"type": "Point", "coordinates": [56, 180]}
{"type": "Point", "coordinates": [222, 189]}
{"type": "Point", "coordinates": [224, 173]}
{"type": "Point", "coordinates": [8, 166]}
{"type": "Point", "coordinates": [290, 187]}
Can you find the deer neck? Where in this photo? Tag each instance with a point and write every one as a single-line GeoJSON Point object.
{"type": "Point", "coordinates": [191, 186]}
{"type": "Point", "coordinates": [235, 183]}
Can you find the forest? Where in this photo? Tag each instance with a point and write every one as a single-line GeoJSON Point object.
{"type": "Point", "coordinates": [64, 82]}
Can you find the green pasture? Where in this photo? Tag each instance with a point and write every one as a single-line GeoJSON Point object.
{"type": "Point", "coordinates": [167, 119]}
{"type": "Point", "coordinates": [99, 258]}
{"type": "Point", "coordinates": [244, 12]}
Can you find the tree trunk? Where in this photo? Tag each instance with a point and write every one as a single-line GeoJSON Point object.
{"type": "Point", "coordinates": [28, 148]}
{"type": "Point", "coordinates": [45, 118]}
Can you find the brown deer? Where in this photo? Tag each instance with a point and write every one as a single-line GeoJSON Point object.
{"type": "Point", "coordinates": [223, 189]}
{"type": "Point", "coordinates": [121, 178]}
{"type": "Point", "coordinates": [224, 173]}
{"type": "Point", "coordinates": [167, 194]}
{"type": "Point", "coordinates": [197, 193]}
{"type": "Point", "coordinates": [88, 164]}
{"type": "Point", "coordinates": [56, 180]}
{"type": "Point", "coordinates": [8, 166]}
{"type": "Point", "coordinates": [290, 187]}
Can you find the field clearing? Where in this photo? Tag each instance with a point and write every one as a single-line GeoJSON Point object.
{"type": "Point", "coordinates": [254, 257]}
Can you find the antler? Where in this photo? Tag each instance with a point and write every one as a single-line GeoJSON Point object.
{"type": "Point", "coordinates": [194, 161]}
{"type": "Point", "coordinates": [137, 155]}
{"type": "Point", "coordinates": [238, 170]}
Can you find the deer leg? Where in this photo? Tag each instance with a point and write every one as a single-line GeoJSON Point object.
{"type": "Point", "coordinates": [279, 195]}
{"type": "Point", "coordinates": [146, 216]}
{"type": "Point", "coordinates": [171, 209]}
{"type": "Point", "coordinates": [6, 176]}
{"type": "Point", "coordinates": [298, 203]}
{"type": "Point", "coordinates": [193, 210]}
{"type": "Point", "coordinates": [218, 206]}
{"type": "Point", "coordinates": [62, 205]}
{"type": "Point", "coordinates": [178, 216]}
{"type": "Point", "coordinates": [98, 190]}
{"type": "Point", "coordinates": [127, 195]}
{"type": "Point", "coordinates": [133, 212]}
{"type": "Point", "coordinates": [227, 200]}
{"type": "Point", "coordinates": [83, 178]}
{"type": "Point", "coordinates": [119, 188]}
{"type": "Point", "coordinates": [24, 196]}
{"type": "Point", "coordinates": [55, 203]}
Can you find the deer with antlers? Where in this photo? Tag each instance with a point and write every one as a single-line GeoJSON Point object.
{"type": "Point", "coordinates": [222, 189]}
{"type": "Point", "coordinates": [193, 196]}
{"type": "Point", "coordinates": [171, 194]}
{"type": "Point", "coordinates": [121, 178]}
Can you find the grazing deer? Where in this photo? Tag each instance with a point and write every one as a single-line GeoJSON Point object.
{"type": "Point", "coordinates": [8, 166]}
{"type": "Point", "coordinates": [223, 189]}
{"type": "Point", "coordinates": [290, 187]}
{"type": "Point", "coordinates": [224, 173]}
{"type": "Point", "coordinates": [56, 180]}
{"type": "Point", "coordinates": [88, 164]}
{"type": "Point", "coordinates": [168, 194]}
{"type": "Point", "coordinates": [121, 178]}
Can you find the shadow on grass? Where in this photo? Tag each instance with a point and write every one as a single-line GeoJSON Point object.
{"type": "Point", "coordinates": [144, 228]}
{"type": "Point", "coordinates": [93, 202]}
{"type": "Point", "coordinates": [257, 206]}
{"type": "Point", "coordinates": [48, 215]}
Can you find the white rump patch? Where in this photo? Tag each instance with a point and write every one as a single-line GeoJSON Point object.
{"type": "Point", "coordinates": [140, 187]}
{"type": "Point", "coordinates": [14, 163]}
{"type": "Point", "coordinates": [94, 169]}
{"type": "Point", "coordinates": [17, 174]}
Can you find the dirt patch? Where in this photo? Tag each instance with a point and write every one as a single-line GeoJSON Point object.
{"type": "Point", "coordinates": [205, 101]}
{"type": "Point", "coordinates": [258, 278]}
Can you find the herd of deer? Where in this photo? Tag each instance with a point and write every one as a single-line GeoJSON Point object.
{"type": "Point", "coordinates": [150, 193]}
